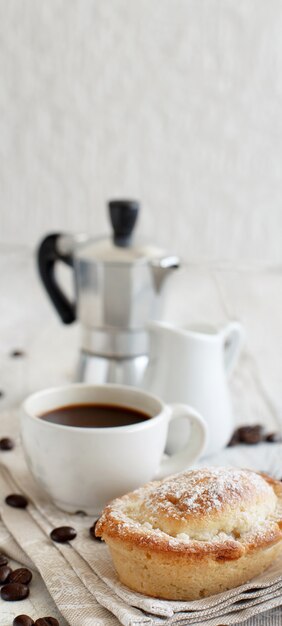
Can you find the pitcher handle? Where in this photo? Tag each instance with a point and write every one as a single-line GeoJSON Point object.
{"type": "Point", "coordinates": [232, 341]}
{"type": "Point", "coordinates": [194, 447]}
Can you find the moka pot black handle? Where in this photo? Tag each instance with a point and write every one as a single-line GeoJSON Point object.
{"type": "Point", "coordinates": [48, 254]}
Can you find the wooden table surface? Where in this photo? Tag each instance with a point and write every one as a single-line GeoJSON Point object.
{"type": "Point", "coordinates": [199, 293]}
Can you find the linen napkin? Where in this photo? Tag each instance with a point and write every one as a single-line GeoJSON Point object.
{"type": "Point", "coordinates": [40, 603]}
{"type": "Point", "coordinates": [80, 577]}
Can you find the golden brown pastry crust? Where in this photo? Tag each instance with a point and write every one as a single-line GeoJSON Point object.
{"type": "Point", "coordinates": [195, 521]}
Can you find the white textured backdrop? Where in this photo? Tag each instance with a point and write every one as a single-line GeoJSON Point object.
{"type": "Point", "coordinates": [175, 102]}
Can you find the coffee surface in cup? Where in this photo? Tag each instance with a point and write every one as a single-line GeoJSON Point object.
{"type": "Point", "coordinates": [94, 415]}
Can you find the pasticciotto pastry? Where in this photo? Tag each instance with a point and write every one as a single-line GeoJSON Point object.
{"type": "Point", "coordinates": [196, 533]}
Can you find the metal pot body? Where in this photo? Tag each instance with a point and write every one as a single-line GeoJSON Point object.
{"type": "Point", "coordinates": [114, 304]}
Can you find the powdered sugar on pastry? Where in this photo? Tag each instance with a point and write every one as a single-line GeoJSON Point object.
{"type": "Point", "coordinates": [198, 505]}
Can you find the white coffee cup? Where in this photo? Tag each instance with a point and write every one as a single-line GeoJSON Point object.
{"type": "Point", "coordinates": [84, 468]}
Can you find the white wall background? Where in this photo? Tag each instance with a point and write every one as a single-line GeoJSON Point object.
{"type": "Point", "coordinates": [175, 102]}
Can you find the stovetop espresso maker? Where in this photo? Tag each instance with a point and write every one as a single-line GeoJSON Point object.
{"type": "Point", "coordinates": [119, 289]}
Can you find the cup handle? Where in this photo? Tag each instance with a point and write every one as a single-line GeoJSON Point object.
{"type": "Point", "coordinates": [233, 338]}
{"type": "Point", "coordinates": [192, 450]}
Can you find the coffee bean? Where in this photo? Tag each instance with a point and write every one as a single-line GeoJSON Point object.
{"type": "Point", "coordinates": [21, 575]}
{"type": "Point", "coordinates": [3, 559]}
{"type": "Point", "coordinates": [15, 354]}
{"type": "Point", "coordinates": [17, 501]}
{"type": "Point", "coordinates": [1, 394]}
{"type": "Point", "coordinates": [274, 438]}
{"type": "Point", "coordinates": [14, 592]}
{"type": "Point", "coordinates": [62, 534]}
{"type": "Point", "coordinates": [5, 572]}
{"type": "Point", "coordinates": [23, 620]}
{"type": "Point", "coordinates": [6, 443]}
{"type": "Point", "coordinates": [251, 434]}
{"type": "Point", "coordinates": [92, 532]}
{"type": "Point", "coordinates": [47, 621]}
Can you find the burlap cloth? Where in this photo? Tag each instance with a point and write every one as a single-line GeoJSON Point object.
{"type": "Point", "coordinates": [79, 576]}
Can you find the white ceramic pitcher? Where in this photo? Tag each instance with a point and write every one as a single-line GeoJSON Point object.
{"type": "Point", "coordinates": [192, 366]}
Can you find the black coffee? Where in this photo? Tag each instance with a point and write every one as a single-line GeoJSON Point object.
{"type": "Point", "coordinates": [94, 416]}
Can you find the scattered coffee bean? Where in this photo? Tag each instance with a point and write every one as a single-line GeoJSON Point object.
{"type": "Point", "coordinates": [251, 434]}
{"type": "Point", "coordinates": [17, 501]}
{"type": "Point", "coordinates": [274, 438]}
{"type": "Point", "coordinates": [47, 621]}
{"type": "Point", "coordinates": [14, 592]}
{"type": "Point", "coordinates": [3, 559]}
{"type": "Point", "coordinates": [5, 572]}
{"type": "Point", "coordinates": [23, 620]}
{"type": "Point", "coordinates": [6, 443]}
{"type": "Point", "coordinates": [1, 394]}
{"type": "Point", "coordinates": [21, 575]}
{"type": "Point", "coordinates": [15, 354]}
{"type": "Point", "coordinates": [62, 534]}
{"type": "Point", "coordinates": [92, 532]}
